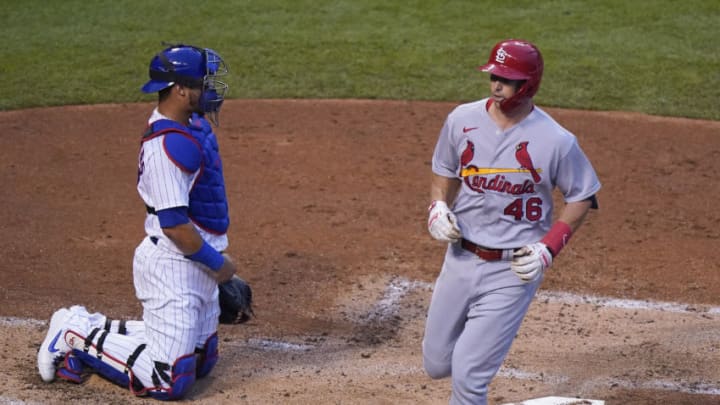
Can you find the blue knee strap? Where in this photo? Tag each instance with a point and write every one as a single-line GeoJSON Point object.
{"type": "Point", "coordinates": [207, 356]}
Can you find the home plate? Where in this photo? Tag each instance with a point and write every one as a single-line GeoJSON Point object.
{"type": "Point", "coordinates": [558, 401]}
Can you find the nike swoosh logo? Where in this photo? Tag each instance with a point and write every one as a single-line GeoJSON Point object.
{"type": "Point", "coordinates": [466, 129]}
{"type": "Point", "coordinates": [52, 348]}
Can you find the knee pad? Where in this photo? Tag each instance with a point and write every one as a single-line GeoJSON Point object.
{"type": "Point", "coordinates": [178, 382]}
{"type": "Point", "coordinates": [207, 356]}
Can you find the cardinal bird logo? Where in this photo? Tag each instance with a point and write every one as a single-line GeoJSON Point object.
{"type": "Point", "coordinates": [523, 157]}
{"type": "Point", "coordinates": [467, 154]}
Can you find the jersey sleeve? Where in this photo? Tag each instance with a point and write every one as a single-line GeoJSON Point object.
{"type": "Point", "coordinates": [445, 161]}
{"type": "Point", "coordinates": [576, 177]}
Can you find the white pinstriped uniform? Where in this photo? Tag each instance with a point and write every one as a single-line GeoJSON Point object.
{"type": "Point", "coordinates": [179, 298]}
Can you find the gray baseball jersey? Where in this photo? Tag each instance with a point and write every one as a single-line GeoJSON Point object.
{"type": "Point", "coordinates": [508, 176]}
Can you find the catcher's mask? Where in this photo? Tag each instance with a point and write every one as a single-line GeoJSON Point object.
{"type": "Point", "coordinates": [515, 59]}
{"type": "Point", "coordinates": [192, 67]}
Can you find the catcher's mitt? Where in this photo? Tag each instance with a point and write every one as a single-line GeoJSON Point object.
{"type": "Point", "coordinates": [235, 301]}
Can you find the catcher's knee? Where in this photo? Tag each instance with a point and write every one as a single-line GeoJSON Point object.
{"type": "Point", "coordinates": [207, 356]}
{"type": "Point", "coordinates": [173, 382]}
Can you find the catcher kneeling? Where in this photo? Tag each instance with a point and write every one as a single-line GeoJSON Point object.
{"type": "Point", "coordinates": [185, 283]}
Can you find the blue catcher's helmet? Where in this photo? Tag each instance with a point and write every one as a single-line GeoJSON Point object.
{"type": "Point", "coordinates": [192, 67]}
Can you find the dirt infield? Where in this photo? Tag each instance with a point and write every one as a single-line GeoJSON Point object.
{"type": "Point", "coordinates": [328, 207]}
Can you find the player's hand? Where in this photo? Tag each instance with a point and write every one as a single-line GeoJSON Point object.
{"type": "Point", "coordinates": [442, 223]}
{"type": "Point", "coordinates": [227, 270]}
{"type": "Point", "coordinates": [529, 262]}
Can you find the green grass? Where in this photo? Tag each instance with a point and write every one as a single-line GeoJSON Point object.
{"type": "Point", "coordinates": [661, 57]}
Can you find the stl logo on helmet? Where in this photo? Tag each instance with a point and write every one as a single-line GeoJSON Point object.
{"type": "Point", "coordinates": [500, 56]}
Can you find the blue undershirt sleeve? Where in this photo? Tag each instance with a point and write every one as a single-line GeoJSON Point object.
{"type": "Point", "coordinates": [172, 217]}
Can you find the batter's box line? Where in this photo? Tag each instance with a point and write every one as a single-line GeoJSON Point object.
{"type": "Point", "coordinates": [608, 302]}
{"type": "Point", "coordinates": [510, 372]}
{"type": "Point", "coordinates": [701, 388]}
{"type": "Point", "coordinates": [277, 345]}
{"type": "Point", "coordinates": [12, 321]}
{"type": "Point", "coordinates": [685, 387]}
{"type": "Point", "coordinates": [396, 290]}
{"type": "Point", "coordinates": [398, 287]}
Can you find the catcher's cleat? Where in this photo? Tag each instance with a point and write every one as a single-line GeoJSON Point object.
{"type": "Point", "coordinates": [53, 348]}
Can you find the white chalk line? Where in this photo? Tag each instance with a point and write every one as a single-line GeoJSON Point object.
{"type": "Point", "coordinates": [399, 287]}
{"type": "Point", "coordinates": [608, 302]}
{"type": "Point", "coordinates": [11, 401]}
{"type": "Point", "coordinates": [12, 321]}
{"type": "Point", "coordinates": [698, 388]}
{"type": "Point", "coordinates": [275, 345]}
{"type": "Point", "coordinates": [396, 290]}
{"type": "Point", "coordinates": [509, 372]}
{"type": "Point", "coordinates": [701, 388]}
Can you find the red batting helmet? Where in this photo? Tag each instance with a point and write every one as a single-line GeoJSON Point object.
{"type": "Point", "coordinates": [516, 59]}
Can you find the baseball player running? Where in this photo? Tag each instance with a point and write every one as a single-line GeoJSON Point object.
{"type": "Point", "coordinates": [178, 265]}
{"type": "Point", "coordinates": [494, 169]}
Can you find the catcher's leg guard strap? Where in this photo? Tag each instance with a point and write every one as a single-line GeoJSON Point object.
{"type": "Point", "coordinates": [121, 326]}
{"type": "Point", "coordinates": [207, 356]}
{"type": "Point", "coordinates": [133, 357]}
{"type": "Point", "coordinates": [89, 339]}
{"type": "Point", "coordinates": [100, 344]}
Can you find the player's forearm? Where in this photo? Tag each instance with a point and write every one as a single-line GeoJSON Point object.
{"type": "Point", "coordinates": [444, 188]}
{"type": "Point", "coordinates": [574, 213]}
{"type": "Point", "coordinates": [568, 222]}
{"type": "Point", "coordinates": [185, 237]}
